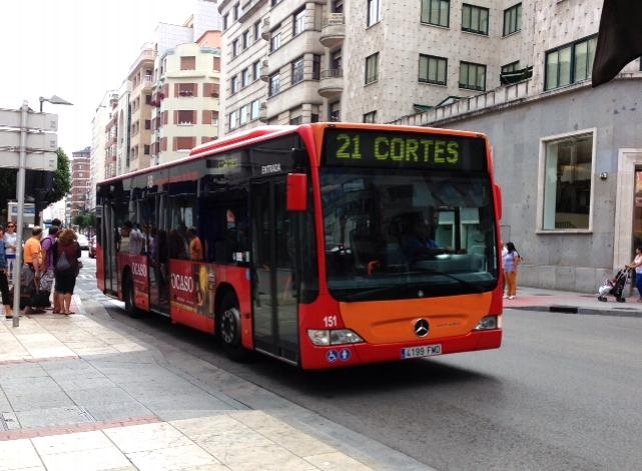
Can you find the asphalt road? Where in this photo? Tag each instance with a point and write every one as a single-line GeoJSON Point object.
{"type": "Point", "coordinates": [563, 393]}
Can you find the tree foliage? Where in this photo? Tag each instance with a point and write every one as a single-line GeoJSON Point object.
{"type": "Point", "coordinates": [61, 182]}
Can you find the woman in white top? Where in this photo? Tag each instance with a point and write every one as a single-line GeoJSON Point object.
{"type": "Point", "coordinates": [10, 241]}
{"type": "Point", "coordinates": [637, 264]}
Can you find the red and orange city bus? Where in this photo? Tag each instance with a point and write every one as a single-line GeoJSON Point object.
{"type": "Point", "coordinates": [306, 235]}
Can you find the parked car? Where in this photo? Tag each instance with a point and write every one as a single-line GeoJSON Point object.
{"type": "Point", "coordinates": [92, 247]}
{"type": "Point", "coordinates": [83, 241]}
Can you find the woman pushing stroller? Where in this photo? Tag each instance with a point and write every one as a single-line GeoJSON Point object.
{"type": "Point", "coordinates": [637, 265]}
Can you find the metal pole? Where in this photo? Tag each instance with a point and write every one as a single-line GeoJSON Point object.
{"type": "Point", "coordinates": [20, 196]}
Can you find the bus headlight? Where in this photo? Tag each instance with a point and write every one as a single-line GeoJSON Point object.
{"type": "Point", "coordinates": [489, 323]}
{"type": "Point", "coordinates": [333, 337]}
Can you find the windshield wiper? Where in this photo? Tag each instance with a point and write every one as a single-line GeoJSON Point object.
{"type": "Point", "coordinates": [462, 282]}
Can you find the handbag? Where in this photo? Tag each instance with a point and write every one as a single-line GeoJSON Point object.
{"type": "Point", "coordinates": [63, 262]}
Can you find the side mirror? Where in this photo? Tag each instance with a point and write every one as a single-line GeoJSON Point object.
{"type": "Point", "coordinates": [297, 192]}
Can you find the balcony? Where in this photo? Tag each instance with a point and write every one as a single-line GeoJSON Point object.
{"type": "Point", "coordinates": [334, 31]}
{"type": "Point", "coordinates": [265, 70]}
{"type": "Point", "coordinates": [265, 29]}
{"type": "Point", "coordinates": [249, 8]}
{"type": "Point", "coordinates": [331, 85]}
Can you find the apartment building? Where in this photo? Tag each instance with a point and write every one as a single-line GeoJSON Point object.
{"type": "Point", "coordinates": [186, 98]}
{"type": "Point", "coordinates": [568, 157]}
{"type": "Point", "coordinates": [371, 61]}
{"type": "Point", "coordinates": [80, 182]}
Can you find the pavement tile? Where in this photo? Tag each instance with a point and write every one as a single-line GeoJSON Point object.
{"type": "Point", "coordinates": [39, 400]}
{"type": "Point", "coordinates": [17, 386]}
{"type": "Point", "coordinates": [100, 396]}
{"type": "Point", "coordinates": [147, 437]}
{"type": "Point", "coordinates": [118, 411]}
{"type": "Point", "coordinates": [87, 460]}
{"type": "Point", "coordinates": [21, 370]}
{"type": "Point", "coordinates": [336, 462]}
{"type": "Point", "coordinates": [63, 443]}
{"type": "Point", "coordinates": [52, 417]}
{"type": "Point", "coordinates": [173, 458]}
{"type": "Point", "coordinates": [264, 457]}
{"type": "Point", "coordinates": [18, 454]}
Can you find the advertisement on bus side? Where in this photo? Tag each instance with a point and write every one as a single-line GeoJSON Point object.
{"type": "Point", "coordinates": [192, 287]}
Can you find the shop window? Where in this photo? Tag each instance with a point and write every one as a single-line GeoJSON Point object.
{"type": "Point", "coordinates": [567, 180]}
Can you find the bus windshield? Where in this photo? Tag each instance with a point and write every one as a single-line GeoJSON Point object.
{"type": "Point", "coordinates": [398, 233]}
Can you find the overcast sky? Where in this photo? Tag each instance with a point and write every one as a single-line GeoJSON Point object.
{"type": "Point", "coordinates": [76, 49]}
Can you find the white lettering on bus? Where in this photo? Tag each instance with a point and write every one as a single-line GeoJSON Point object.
{"type": "Point", "coordinates": [139, 269]}
{"type": "Point", "coordinates": [272, 168]}
{"type": "Point", "coordinates": [182, 282]}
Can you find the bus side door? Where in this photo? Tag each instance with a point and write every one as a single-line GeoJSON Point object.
{"type": "Point", "coordinates": [275, 310]}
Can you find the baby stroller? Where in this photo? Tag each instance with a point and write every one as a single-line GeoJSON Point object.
{"type": "Point", "coordinates": [615, 286]}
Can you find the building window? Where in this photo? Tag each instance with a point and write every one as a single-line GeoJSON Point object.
{"type": "Point", "coordinates": [246, 77]}
{"type": "Point", "coordinates": [570, 64]}
{"type": "Point", "coordinates": [435, 12]}
{"type": "Point", "coordinates": [234, 119]}
{"type": "Point", "coordinates": [235, 84]}
{"type": "Point", "coordinates": [184, 143]}
{"type": "Point", "coordinates": [188, 62]}
{"type": "Point", "coordinates": [244, 117]}
{"type": "Point", "coordinates": [370, 117]}
{"type": "Point", "coordinates": [316, 67]}
{"type": "Point", "coordinates": [255, 108]}
{"type": "Point", "coordinates": [226, 21]}
{"type": "Point", "coordinates": [216, 64]}
{"type": "Point", "coordinates": [275, 40]}
{"type": "Point", "coordinates": [296, 120]}
{"type": "Point", "coordinates": [148, 124]}
{"type": "Point", "coordinates": [334, 111]}
{"type": "Point", "coordinates": [235, 11]}
{"type": "Point", "coordinates": [298, 21]}
{"type": "Point", "coordinates": [185, 117]}
{"type": "Point", "coordinates": [374, 12]}
{"type": "Point", "coordinates": [146, 148]}
{"type": "Point", "coordinates": [256, 70]}
{"type": "Point", "coordinates": [513, 19]}
{"type": "Point", "coordinates": [372, 66]}
{"type": "Point", "coordinates": [274, 84]}
{"type": "Point", "coordinates": [472, 76]}
{"type": "Point", "coordinates": [297, 71]}
{"type": "Point", "coordinates": [567, 175]}
{"type": "Point", "coordinates": [236, 47]}
{"type": "Point", "coordinates": [433, 69]}
{"type": "Point", "coordinates": [474, 19]}
{"type": "Point", "coordinates": [512, 67]}
{"type": "Point", "coordinates": [257, 30]}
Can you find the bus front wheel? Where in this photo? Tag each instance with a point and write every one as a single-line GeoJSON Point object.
{"type": "Point", "coordinates": [229, 328]}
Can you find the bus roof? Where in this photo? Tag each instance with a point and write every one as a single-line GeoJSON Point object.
{"type": "Point", "coordinates": [260, 133]}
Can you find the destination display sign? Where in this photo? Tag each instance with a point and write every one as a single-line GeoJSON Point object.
{"type": "Point", "coordinates": [366, 148]}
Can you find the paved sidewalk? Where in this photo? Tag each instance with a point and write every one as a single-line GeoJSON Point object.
{"type": "Point", "coordinates": [574, 303]}
{"type": "Point", "coordinates": [78, 394]}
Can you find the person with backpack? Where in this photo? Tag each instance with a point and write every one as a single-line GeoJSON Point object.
{"type": "Point", "coordinates": [66, 253]}
{"type": "Point", "coordinates": [47, 277]}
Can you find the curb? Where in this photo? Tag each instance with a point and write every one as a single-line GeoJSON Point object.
{"type": "Point", "coordinates": [579, 310]}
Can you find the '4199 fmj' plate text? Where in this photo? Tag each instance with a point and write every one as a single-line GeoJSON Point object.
{"type": "Point", "coordinates": [423, 351]}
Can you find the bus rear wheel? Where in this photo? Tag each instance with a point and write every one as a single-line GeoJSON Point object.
{"type": "Point", "coordinates": [229, 328]}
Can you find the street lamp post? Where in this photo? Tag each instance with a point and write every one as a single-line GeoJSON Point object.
{"type": "Point", "coordinates": [55, 99]}
{"type": "Point", "coordinates": [20, 196]}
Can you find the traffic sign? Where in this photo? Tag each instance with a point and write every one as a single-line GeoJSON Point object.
{"type": "Point", "coordinates": [33, 161]}
{"type": "Point", "coordinates": [35, 140]}
{"type": "Point", "coordinates": [38, 121]}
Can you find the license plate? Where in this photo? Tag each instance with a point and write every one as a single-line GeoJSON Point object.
{"type": "Point", "coordinates": [423, 351]}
